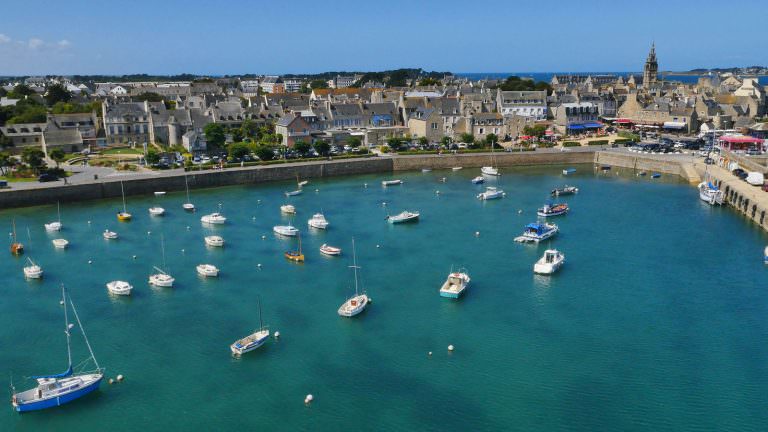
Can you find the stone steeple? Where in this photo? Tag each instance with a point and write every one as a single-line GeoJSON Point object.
{"type": "Point", "coordinates": [651, 68]}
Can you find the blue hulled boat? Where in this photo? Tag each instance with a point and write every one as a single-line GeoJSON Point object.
{"type": "Point", "coordinates": [58, 389]}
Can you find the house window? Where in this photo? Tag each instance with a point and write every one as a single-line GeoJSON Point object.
{"type": "Point", "coordinates": [434, 126]}
{"type": "Point", "coordinates": [481, 131]}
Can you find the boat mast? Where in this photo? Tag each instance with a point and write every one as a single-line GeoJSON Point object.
{"type": "Point", "coordinates": [82, 330]}
{"type": "Point", "coordinates": [122, 192]}
{"type": "Point", "coordinates": [162, 248]}
{"type": "Point", "coordinates": [261, 323]}
{"type": "Point", "coordinates": [354, 265]}
{"type": "Point", "coordinates": [58, 210]}
{"type": "Point", "coordinates": [186, 186]}
{"type": "Point", "coordinates": [66, 327]}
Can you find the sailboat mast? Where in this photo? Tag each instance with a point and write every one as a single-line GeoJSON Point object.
{"type": "Point", "coordinates": [354, 265]}
{"type": "Point", "coordinates": [122, 192]}
{"type": "Point", "coordinates": [186, 186]}
{"type": "Point", "coordinates": [261, 322]}
{"type": "Point", "coordinates": [58, 210]}
{"type": "Point", "coordinates": [82, 330]}
{"type": "Point", "coordinates": [162, 249]}
{"type": "Point", "coordinates": [66, 326]}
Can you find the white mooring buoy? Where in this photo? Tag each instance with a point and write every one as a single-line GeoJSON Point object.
{"type": "Point", "coordinates": [89, 261]}
{"type": "Point", "coordinates": [119, 378]}
{"type": "Point", "coordinates": [134, 257]}
{"type": "Point", "coordinates": [429, 353]}
{"type": "Point", "coordinates": [477, 233]}
{"type": "Point", "coordinates": [450, 347]}
{"type": "Point", "coordinates": [308, 400]}
{"type": "Point", "coordinates": [277, 334]}
{"type": "Point", "coordinates": [111, 381]}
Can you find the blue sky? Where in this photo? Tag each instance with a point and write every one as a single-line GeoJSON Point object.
{"type": "Point", "coordinates": [300, 36]}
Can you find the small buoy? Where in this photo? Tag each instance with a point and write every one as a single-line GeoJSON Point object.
{"type": "Point", "coordinates": [378, 246]}
{"type": "Point", "coordinates": [187, 227]}
{"type": "Point", "coordinates": [111, 381]}
{"type": "Point", "coordinates": [450, 347]}
{"type": "Point", "coordinates": [263, 237]}
{"type": "Point", "coordinates": [365, 185]}
{"type": "Point", "coordinates": [317, 190]}
{"type": "Point", "coordinates": [384, 204]}
{"type": "Point", "coordinates": [253, 218]}
{"type": "Point", "coordinates": [149, 232]}
{"type": "Point", "coordinates": [258, 201]}
{"type": "Point", "coordinates": [258, 265]}
{"type": "Point", "coordinates": [309, 399]}
{"type": "Point", "coordinates": [277, 334]}
{"type": "Point", "coordinates": [61, 302]}
{"type": "Point", "coordinates": [134, 257]}
{"type": "Point", "coordinates": [89, 222]}
{"type": "Point", "coordinates": [477, 233]}
{"type": "Point", "coordinates": [183, 250]}
{"type": "Point", "coordinates": [119, 378]}
{"type": "Point", "coordinates": [429, 353]}
{"type": "Point", "coordinates": [519, 212]}
{"type": "Point", "coordinates": [89, 261]}
{"type": "Point", "coordinates": [437, 192]}
{"type": "Point", "coordinates": [370, 300]}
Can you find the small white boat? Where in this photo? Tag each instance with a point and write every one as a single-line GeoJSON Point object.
{"type": "Point", "coordinates": [214, 240]}
{"type": "Point", "coordinates": [406, 216]}
{"type": "Point", "coordinates": [60, 243]}
{"type": "Point", "coordinates": [159, 193]}
{"type": "Point", "coordinates": [119, 288]}
{"type": "Point", "coordinates": [286, 230]}
{"type": "Point", "coordinates": [569, 171]}
{"type": "Point", "coordinates": [294, 193]}
{"type": "Point", "coordinates": [565, 190]}
{"type": "Point", "coordinates": [123, 216]}
{"type": "Point", "coordinates": [32, 271]}
{"type": "Point", "coordinates": [110, 235]}
{"type": "Point", "coordinates": [161, 279]}
{"type": "Point", "coordinates": [213, 219]}
{"type": "Point", "coordinates": [710, 194]}
{"type": "Point", "coordinates": [491, 193]}
{"type": "Point", "coordinates": [357, 303]}
{"type": "Point", "coordinates": [550, 262]}
{"type": "Point", "coordinates": [156, 211]}
{"type": "Point", "coordinates": [55, 226]}
{"type": "Point", "coordinates": [455, 285]}
{"type": "Point", "coordinates": [188, 207]}
{"type": "Point", "coordinates": [287, 209]}
{"type": "Point", "coordinates": [426, 170]}
{"type": "Point", "coordinates": [303, 183]}
{"type": "Point", "coordinates": [478, 180]}
{"type": "Point", "coordinates": [552, 210]}
{"type": "Point", "coordinates": [252, 341]}
{"type": "Point", "coordinates": [207, 270]}
{"type": "Point", "coordinates": [491, 171]}
{"type": "Point", "coordinates": [765, 255]}
{"type": "Point", "coordinates": [457, 168]}
{"type": "Point", "coordinates": [391, 182]}
{"type": "Point", "coordinates": [536, 232]}
{"type": "Point", "coordinates": [318, 221]}
{"type": "Point", "coordinates": [330, 250]}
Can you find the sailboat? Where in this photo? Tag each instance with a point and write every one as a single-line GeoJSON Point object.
{"type": "Point", "coordinates": [492, 170]}
{"type": "Point", "coordinates": [188, 206]}
{"type": "Point", "coordinates": [253, 340]}
{"type": "Point", "coordinates": [123, 216]}
{"type": "Point", "coordinates": [17, 248]}
{"type": "Point", "coordinates": [56, 225]}
{"type": "Point", "coordinates": [32, 271]}
{"type": "Point", "coordinates": [297, 191]}
{"type": "Point", "coordinates": [295, 256]}
{"type": "Point", "coordinates": [357, 303]}
{"type": "Point", "coordinates": [58, 389]}
{"type": "Point", "coordinates": [162, 278]}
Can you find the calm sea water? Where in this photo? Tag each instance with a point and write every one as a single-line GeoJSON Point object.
{"type": "Point", "coordinates": [547, 76]}
{"type": "Point", "coordinates": [657, 321]}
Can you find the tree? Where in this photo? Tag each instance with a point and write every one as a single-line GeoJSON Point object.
{"type": "Point", "coordinates": [302, 147]}
{"type": "Point", "coordinates": [536, 130]}
{"type": "Point", "coordinates": [429, 81]}
{"type": "Point", "coordinates": [5, 162]}
{"type": "Point", "coordinates": [249, 128]}
{"type": "Point", "coordinates": [57, 93]}
{"type": "Point", "coordinates": [318, 84]}
{"type": "Point", "coordinates": [322, 148]}
{"type": "Point", "coordinates": [34, 157]}
{"type": "Point", "coordinates": [20, 91]}
{"type": "Point", "coordinates": [152, 157]}
{"type": "Point", "coordinates": [5, 142]}
{"type": "Point", "coordinates": [214, 134]}
{"type": "Point", "coordinates": [491, 139]}
{"type": "Point", "coordinates": [265, 152]}
{"type": "Point", "coordinates": [149, 96]}
{"type": "Point", "coordinates": [57, 155]}
{"type": "Point", "coordinates": [237, 134]}
{"type": "Point", "coordinates": [354, 142]}
{"type": "Point", "coordinates": [238, 150]}
{"type": "Point", "coordinates": [446, 140]}
{"type": "Point", "coordinates": [515, 83]}
{"type": "Point", "coordinates": [394, 143]}
{"type": "Point", "coordinates": [467, 138]}
{"type": "Point", "coordinates": [423, 140]}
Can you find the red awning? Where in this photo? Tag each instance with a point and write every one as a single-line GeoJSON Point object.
{"type": "Point", "coordinates": [525, 137]}
{"type": "Point", "coordinates": [623, 120]}
{"type": "Point", "coordinates": [741, 140]}
{"type": "Point", "coordinates": [549, 132]}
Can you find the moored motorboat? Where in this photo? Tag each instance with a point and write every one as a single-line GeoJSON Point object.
{"type": "Point", "coordinates": [391, 182]}
{"type": "Point", "coordinates": [478, 180]}
{"type": "Point", "coordinates": [214, 240]}
{"type": "Point", "coordinates": [60, 243]}
{"type": "Point", "coordinates": [457, 168]}
{"type": "Point", "coordinates": [569, 171]}
{"type": "Point", "coordinates": [161, 279]}
{"type": "Point", "coordinates": [287, 209]}
{"type": "Point", "coordinates": [318, 221]}
{"type": "Point", "coordinates": [109, 235]}
{"type": "Point", "coordinates": [285, 230]}
{"type": "Point", "coordinates": [711, 194]}
{"type": "Point", "coordinates": [330, 250]}
{"type": "Point", "coordinates": [565, 190]}
{"type": "Point", "coordinates": [455, 284]}
{"type": "Point", "coordinates": [536, 232]}
{"type": "Point", "coordinates": [119, 288]}
{"type": "Point", "coordinates": [213, 219]}
{"type": "Point", "coordinates": [489, 170]}
{"type": "Point", "coordinates": [156, 211]}
{"type": "Point", "coordinates": [491, 193]}
{"type": "Point", "coordinates": [56, 225]}
{"type": "Point", "coordinates": [655, 175]}
{"type": "Point", "coordinates": [294, 193]}
{"type": "Point", "coordinates": [552, 210]}
{"type": "Point", "coordinates": [426, 170]}
{"type": "Point", "coordinates": [160, 193]}
{"type": "Point", "coordinates": [32, 270]}
{"type": "Point", "coordinates": [58, 389]}
{"type": "Point", "coordinates": [207, 270]}
{"type": "Point", "coordinates": [550, 262]}
{"type": "Point", "coordinates": [405, 216]}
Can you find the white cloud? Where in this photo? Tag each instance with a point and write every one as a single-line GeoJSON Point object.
{"type": "Point", "coordinates": [35, 43]}
{"type": "Point", "coordinates": [64, 43]}
{"type": "Point", "coordinates": [4, 39]}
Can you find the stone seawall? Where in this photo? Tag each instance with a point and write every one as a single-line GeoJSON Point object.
{"type": "Point", "coordinates": [667, 164]}
{"type": "Point", "coordinates": [475, 160]}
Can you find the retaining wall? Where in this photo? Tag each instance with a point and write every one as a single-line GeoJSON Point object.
{"type": "Point", "coordinates": [672, 165]}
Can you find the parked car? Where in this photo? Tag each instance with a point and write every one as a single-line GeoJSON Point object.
{"type": "Point", "coordinates": [47, 177]}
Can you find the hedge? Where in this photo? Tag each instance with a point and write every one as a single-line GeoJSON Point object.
{"type": "Point", "coordinates": [276, 161]}
{"type": "Point", "coordinates": [623, 140]}
{"type": "Point", "coordinates": [598, 142]}
{"type": "Point", "coordinates": [571, 144]}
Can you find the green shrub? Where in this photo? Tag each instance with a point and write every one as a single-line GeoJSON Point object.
{"type": "Point", "coordinates": [598, 142]}
{"type": "Point", "coordinates": [571, 144]}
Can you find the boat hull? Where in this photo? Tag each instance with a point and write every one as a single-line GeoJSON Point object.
{"type": "Point", "coordinates": [59, 400]}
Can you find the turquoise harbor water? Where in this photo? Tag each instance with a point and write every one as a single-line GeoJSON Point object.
{"type": "Point", "coordinates": [656, 322]}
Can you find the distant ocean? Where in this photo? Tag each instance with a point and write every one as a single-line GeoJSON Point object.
{"type": "Point", "coordinates": [547, 76]}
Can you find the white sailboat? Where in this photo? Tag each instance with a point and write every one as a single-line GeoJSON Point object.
{"type": "Point", "coordinates": [60, 243]}
{"type": "Point", "coordinates": [109, 235]}
{"type": "Point", "coordinates": [123, 216]}
{"type": "Point", "coordinates": [492, 170]}
{"type": "Point", "coordinates": [711, 194]}
{"type": "Point", "coordinates": [491, 193]}
{"type": "Point", "coordinates": [32, 270]}
{"type": "Point", "coordinates": [187, 206]}
{"type": "Point", "coordinates": [357, 303]}
{"type": "Point", "coordinates": [207, 270]}
{"type": "Point", "coordinates": [286, 230]}
{"type": "Point", "coordinates": [214, 218]}
{"type": "Point", "coordinates": [162, 278]}
{"type": "Point", "coordinates": [214, 241]}
{"type": "Point", "coordinates": [253, 340]}
{"type": "Point", "coordinates": [56, 225]}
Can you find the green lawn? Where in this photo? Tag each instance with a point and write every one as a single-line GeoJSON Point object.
{"type": "Point", "coordinates": [123, 150]}
{"type": "Point", "coordinates": [18, 179]}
